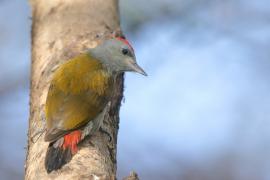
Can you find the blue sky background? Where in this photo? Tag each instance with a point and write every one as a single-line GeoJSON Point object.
{"type": "Point", "coordinates": [203, 111]}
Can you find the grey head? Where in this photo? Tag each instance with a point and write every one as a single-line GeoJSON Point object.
{"type": "Point", "coordinates": [116, 55]}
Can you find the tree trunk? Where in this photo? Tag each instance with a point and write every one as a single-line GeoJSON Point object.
{"type": "Point", "coordinates": [61, 29]}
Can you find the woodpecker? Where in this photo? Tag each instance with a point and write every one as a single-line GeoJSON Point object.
{"type": "Point", "coordinates": [79, 96]}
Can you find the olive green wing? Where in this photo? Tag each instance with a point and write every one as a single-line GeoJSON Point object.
{"type": "Point", "coordinates": [67, 111]}
{"type": "Point", "coordinates": [79, 91]}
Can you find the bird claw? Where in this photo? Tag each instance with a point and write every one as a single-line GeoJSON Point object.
{"type": "Point", "coordinates": [105, 132]}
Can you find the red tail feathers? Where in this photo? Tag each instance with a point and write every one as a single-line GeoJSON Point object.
{"type": "Point", "coordinates": [71, 141]}
{"type": "Point", "coordinates": [58, 154]}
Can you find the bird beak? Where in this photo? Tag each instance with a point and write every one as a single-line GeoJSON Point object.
{"type": "Point", "coordinates": [136, 68]}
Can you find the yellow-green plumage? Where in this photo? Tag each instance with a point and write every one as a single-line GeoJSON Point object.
{"type": "Point", "coordinates": [79, 91]}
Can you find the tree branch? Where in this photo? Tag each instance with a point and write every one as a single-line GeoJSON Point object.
{"type": "Point", "coordinates": [61, 29]}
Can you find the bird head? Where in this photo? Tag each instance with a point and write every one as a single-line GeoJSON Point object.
{"type": "Point", "coordinates": [117, 55]}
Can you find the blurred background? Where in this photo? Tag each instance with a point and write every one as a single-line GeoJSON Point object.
{"type": "Point", "coordinates": [201, 114]}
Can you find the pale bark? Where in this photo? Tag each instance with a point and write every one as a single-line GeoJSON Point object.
{"type": "Point", "coordinates": [62, 29]}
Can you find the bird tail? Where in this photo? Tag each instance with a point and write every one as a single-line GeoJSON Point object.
{"type": "Point", "coordinates": [62, 150]}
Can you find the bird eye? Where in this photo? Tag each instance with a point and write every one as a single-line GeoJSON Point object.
{"type": "Point", "coordinates": [125, 51]}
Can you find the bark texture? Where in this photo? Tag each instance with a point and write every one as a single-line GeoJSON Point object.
{"type": "Point", "coordinates": [62, 29]}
